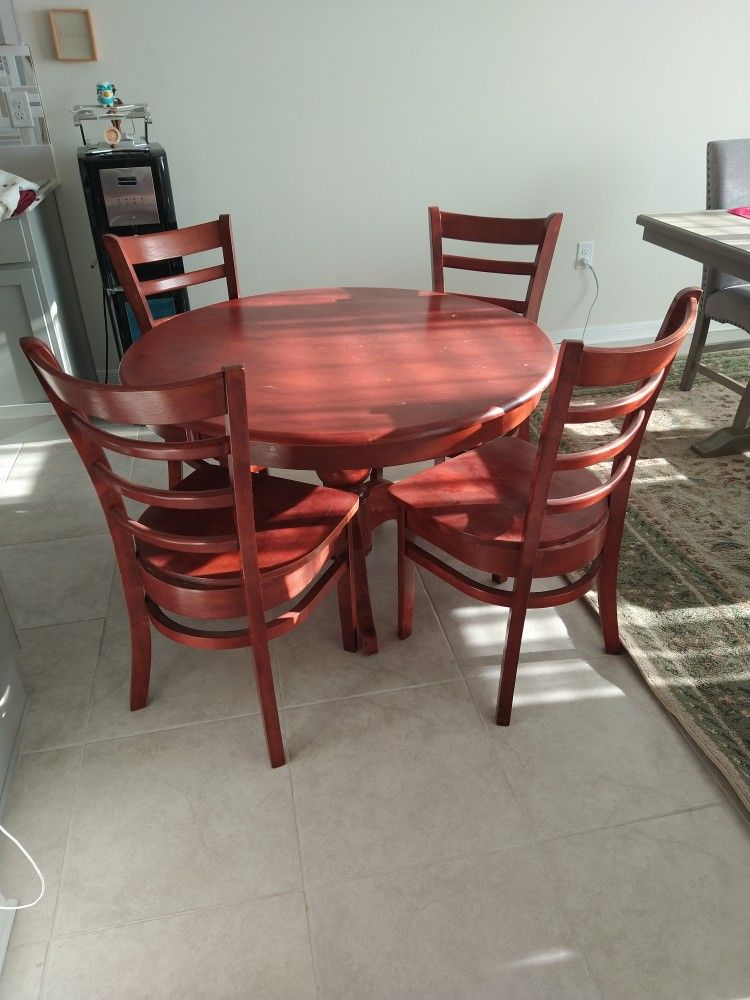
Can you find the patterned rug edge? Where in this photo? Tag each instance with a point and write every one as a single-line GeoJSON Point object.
{"type": "Point", "coordinates": [732, 779]}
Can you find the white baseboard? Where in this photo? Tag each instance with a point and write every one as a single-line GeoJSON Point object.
{"type": "Point", "coordinates": [14, 411]}
{"type": "Point", "coordinates": [625, 334]}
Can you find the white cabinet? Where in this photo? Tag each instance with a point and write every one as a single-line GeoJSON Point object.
{"type": "Point", "coordinates": [37, 297]}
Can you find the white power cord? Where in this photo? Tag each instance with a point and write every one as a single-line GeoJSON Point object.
{"type": "Point", "coordinates": [590, 267]}
{"type": "Point", "coordinates": [22, 849]}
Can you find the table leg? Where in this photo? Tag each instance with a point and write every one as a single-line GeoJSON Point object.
{"type": "Point", "coordinates": [375, 507]}
{"type": "Point", "coordinates": [368, 637]}
{"type": "Point", "coordinates": [729, 440]}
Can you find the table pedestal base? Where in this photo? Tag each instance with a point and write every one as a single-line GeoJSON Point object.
{"type": "Point", "coordinates": [375, 507]}
{"type": "Point", "coordinates": [726, 441]}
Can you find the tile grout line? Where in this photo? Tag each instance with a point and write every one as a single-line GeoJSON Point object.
{"type": "Point", "coordinates": [526, 846]}
{"type": "Point", "coordinates": [558, 896]}
{"type": "Point", "coordinates": [31, 944]}
{"type": "Point", "coordinates": [231, 718]}
{"type": "Point", "coordinates": [488, 738]}
{"type": "Point", "coordinates": [369, 694]}
{"type": "Point", "coordinates": [57, 538]}
{"type": "Point", "coordinates": [169, 729]}
{"type": "Point", "coordinates": [631, 822]}
{"type": "Point", "coordinates": [64, 746]}
{"type": "Point", "coordinates": [12, 465]}
{"type": "Point", "coordinates": [43, 987]}
{"type": "Point", "coordinates": [168, 915]}
{"type": "Point", "coordinates": [305, 900]}
{"type": "Point", "coordinates": [496, 753]}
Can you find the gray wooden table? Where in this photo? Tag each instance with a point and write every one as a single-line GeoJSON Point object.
{"type": "Point", "coordinates": [721, 240]}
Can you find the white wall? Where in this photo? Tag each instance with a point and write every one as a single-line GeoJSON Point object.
{"type": "Point", "coordinates": [327, 126]}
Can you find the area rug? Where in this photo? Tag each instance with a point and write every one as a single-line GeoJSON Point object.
{"type": "Point", "coordinates": [684, 583]}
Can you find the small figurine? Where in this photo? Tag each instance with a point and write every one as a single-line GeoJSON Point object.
{"type": "Point", "coordinates": [106, 97]}
{"type": "Point", "coordinates": [105, 94]}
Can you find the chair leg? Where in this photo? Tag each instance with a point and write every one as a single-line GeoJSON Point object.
{"type": "Point", "coordinates": [140, 624]}
{"type": "Point", "coordinates": [348, 600]}
{"type": "Point", "coordinates": [607, 591]}
{"type": "Point", "coordinates": [513, 636]}
{"type": "Point", "coordinates": [267, 699]}
{"type": "Point", "coordinates": [140, 659]}
{"type": "Point", "coordinates": [696, 350]}
{"type": "Point", "coordinates": [406, 581]}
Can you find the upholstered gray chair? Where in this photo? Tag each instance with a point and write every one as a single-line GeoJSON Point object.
{"type": "Point", "coordinates": [725, 299]}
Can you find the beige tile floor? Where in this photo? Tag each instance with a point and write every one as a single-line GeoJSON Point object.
{"type": "Point", "coordinates": [411, 849]}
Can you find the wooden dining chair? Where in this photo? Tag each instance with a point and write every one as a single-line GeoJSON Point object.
{"type": "Point", "coordinates": [524, 511]}
{"type": "Point", "coordinates": [539, 233]}
{"type": "Point", "coordinates": [129, 253]}
{"type": "Point", "coordinates": [220, 543]}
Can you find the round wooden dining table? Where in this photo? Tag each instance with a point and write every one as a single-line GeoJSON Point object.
{"type": "Point", "coordinates": [345, 381]}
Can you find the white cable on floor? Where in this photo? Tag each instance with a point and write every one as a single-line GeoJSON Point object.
{"type": "Point", "coordinates": [22, 849]}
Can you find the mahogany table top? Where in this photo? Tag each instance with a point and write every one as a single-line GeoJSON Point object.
{"type": "Point", "coordinates": [350, 377]}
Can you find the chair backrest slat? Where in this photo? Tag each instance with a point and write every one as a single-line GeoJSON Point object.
{"type": "Point", "coordinates": [515, 305]}
{"type": "Point", "coordinates": [129, 252]}
{"type": "Point", "coordinates": [541, 233]}
{"type": "Point", "coordinates": [172, 499]}
{"type": "Point", "coordinates": [587, 413]}
{"type": "Point", "coordinates": [602, 367]}
{"type": "Point", "coordinates": [198, 544]}
{"type": "Point", "coordinates": [195, 400]}
{"type": "Point", "coordinates": [561, 505]}
{"type": "Point", "coordinates": [486, 229]}
{"type": "Point", "coordinates": [489, 265]}
{"type": "Point", "coordinates": [155, 285]}
{"type": "Point", "coordinates": [602, 453]}
{"type": "Point", "coordinates": [580, 366]}
{"type": "Point", "coordinates": [149, 247]}
{"type": "Point", "coordinates": [159, 451]}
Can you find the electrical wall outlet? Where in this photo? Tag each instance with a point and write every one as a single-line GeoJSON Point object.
{"type": "Point", "coordinates": [585, 254]}
{"type": "Point", "coordinates": [20, 109]}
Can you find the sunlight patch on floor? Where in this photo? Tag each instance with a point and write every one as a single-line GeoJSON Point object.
{"type": "Point", "coordinates": [564, 695]}
{"type": "Point", "coordinates": [543, 958]}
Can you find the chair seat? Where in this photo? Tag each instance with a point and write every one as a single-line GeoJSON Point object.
{"type": "Point", "coordinates": [478, 501]}
{"type": "Point", "coordinates": [293, 522]}
{"type": "Point", "coordinates": [730, 305]}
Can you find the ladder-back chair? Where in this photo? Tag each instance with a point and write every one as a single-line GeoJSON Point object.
{"type": "Point", "coordinates": [217, 544]}
{"type": "Point", "coordinates": [515, 509]}
{"type": "Point", "coordinates": [127, 253]}
{"type": "Point", "coordinates": [539, 233]}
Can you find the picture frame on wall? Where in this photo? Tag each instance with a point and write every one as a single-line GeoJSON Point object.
{"type": "Point", "coordinates": [73, 34]}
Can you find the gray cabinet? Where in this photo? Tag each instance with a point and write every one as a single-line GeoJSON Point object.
{"type": "Point", "coordinates": [37, 297]}
{"type": "Point", "coordinates": [21, 315]}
